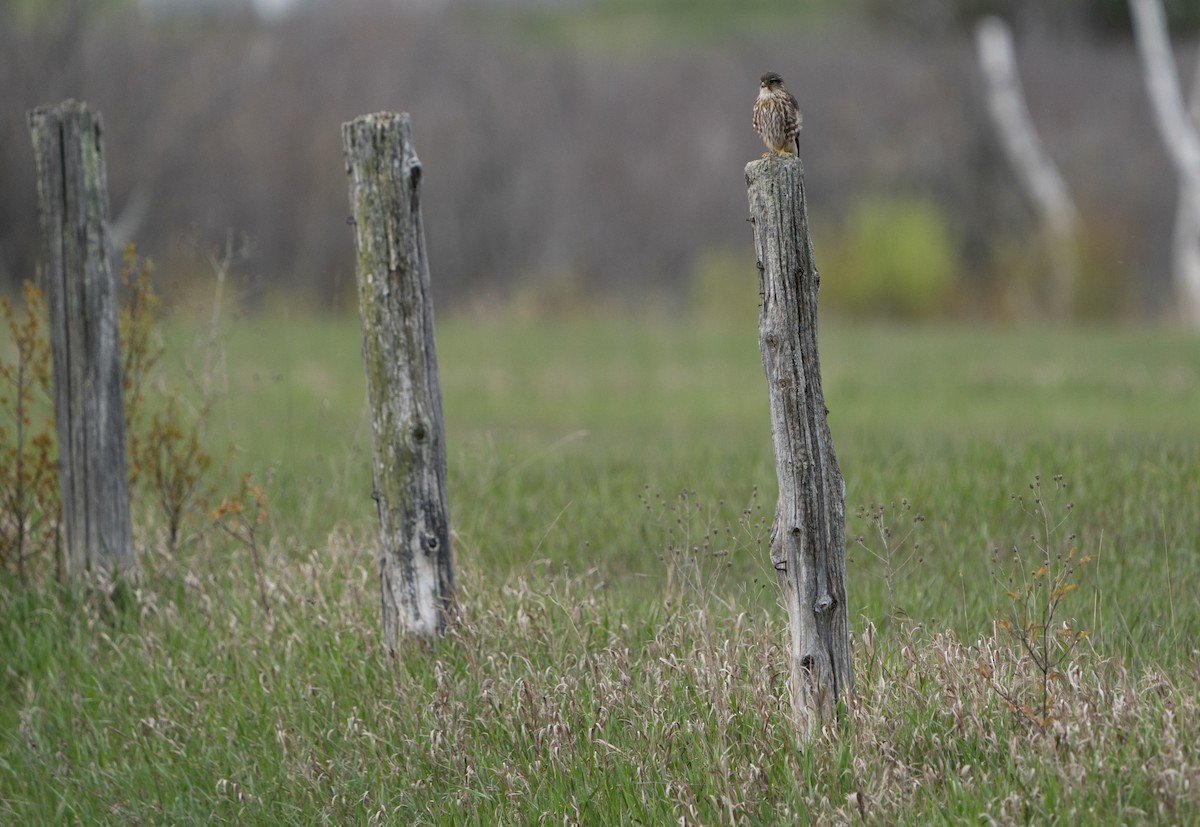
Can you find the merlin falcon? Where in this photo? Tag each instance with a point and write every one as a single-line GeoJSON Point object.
{"type": "Point", "coordinates": [777, 116]}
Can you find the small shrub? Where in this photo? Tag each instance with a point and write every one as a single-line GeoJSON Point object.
{"type": "Point", "coordinates": [137, 327]}
{"type": "Point", "coordinates": [166, 454]}
{"type": "Point", "coordinates": [898, 547]}
{"type": "Point", "coordinates": [241, 517]}
{"type": "Point", "coordinates": [1035, 584]}
{"type": "Point", "coordinates": [29, 494]}
{"type": "Point", "coordinates": [168, 464]}
{"type": "Point", "coordinates": [175, 467]}
{"type": "Point", "coordinates": [894, 258]}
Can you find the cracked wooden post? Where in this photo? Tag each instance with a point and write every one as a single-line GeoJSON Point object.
{"type": "Point", "coordinates": [808, 538]}
{"type": "Point", "coordinates": [416, 564]}
{"type": "Point", "coordinates": [80, 290]}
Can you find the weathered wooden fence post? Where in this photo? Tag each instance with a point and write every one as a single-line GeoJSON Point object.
{"type": "Point", "coordinates": [808, 538]}
{"type": "Point", "coordinates": [416, 565]}
{"type": "Point", "coordinates": [81, 295]}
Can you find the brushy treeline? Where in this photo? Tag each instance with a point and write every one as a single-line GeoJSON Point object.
{"type": "Point", "coordinates": [601, 164]}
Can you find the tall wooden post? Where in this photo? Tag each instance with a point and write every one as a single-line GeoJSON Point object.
{"type": "Point", "coordinates": [77, 280]}
{"type": "Point", "coordinates": [416, 564]}
{"type": "Point", "coordinates": [808, 538]}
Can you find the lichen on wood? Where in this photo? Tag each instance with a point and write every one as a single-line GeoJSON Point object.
{"type": "Point", "coordinates": [416, 557]}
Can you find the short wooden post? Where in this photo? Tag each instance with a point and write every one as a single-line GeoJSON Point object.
{"type": "Point", "coordinates": [81, 295]}
{"type": "Point", "coordinates": [416, 565]}
{"type": "Point", "coordinates": [808, 538]}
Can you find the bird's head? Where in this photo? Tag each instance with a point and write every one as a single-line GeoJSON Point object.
{"type": "Point", "coordinates": [770, 82]}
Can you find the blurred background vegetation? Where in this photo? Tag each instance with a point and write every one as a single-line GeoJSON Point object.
{"type": "Point", "coordinates": [589, 153]}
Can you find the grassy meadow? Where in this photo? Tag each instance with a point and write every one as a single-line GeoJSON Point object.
{"type": "Point", "coordinates": [621, 653]}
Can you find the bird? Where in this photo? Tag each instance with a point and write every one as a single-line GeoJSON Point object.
{"type": "Point", "coordinates": [777, 116]}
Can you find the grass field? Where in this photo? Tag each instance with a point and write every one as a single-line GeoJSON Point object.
{"type": "Point", "coordinates": [619, 658]}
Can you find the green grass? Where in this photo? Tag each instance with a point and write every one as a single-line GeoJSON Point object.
{"type": "Point", "coordinates": [620, 658]}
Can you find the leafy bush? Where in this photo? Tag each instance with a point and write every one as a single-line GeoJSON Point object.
{"type": "Point", "coordinates": [167, 460]}
{"type": "Point", "coordinates": [29, 498]}
{"type": "Point", "coordinates": [169, 468]}
{"type": "Point", "coordinates": [894, 258]}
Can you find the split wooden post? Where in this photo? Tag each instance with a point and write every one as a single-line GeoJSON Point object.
{"type": "Point", "coordinates": [416, 563]}
{"type": "Point", "coordinates": [808, 538]}
{"type": "Point", "coordinates": [81, 295]}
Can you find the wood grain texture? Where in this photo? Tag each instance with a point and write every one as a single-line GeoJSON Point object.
{"type": "Point", "coordinates": [416, 564]}
{"type": "Point", "coordinates": [808, 538]}
{"type": "Point", "coordinates": [77, 280]}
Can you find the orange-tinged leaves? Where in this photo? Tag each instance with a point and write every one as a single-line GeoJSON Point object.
{"type": "Point", "coordinates": [29, 494]}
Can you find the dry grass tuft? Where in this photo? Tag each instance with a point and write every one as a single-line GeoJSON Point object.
{"type": "Point", "coordinates": [556, 699]}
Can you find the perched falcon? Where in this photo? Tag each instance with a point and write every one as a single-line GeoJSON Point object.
{"type": "Point", "coordinates": [777, 116]}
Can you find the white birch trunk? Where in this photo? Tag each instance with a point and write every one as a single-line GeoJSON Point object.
{"type": "Point", "coordinates": [1035, 170]}
{"type": "Point", "coordinates": [1178, 132]}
